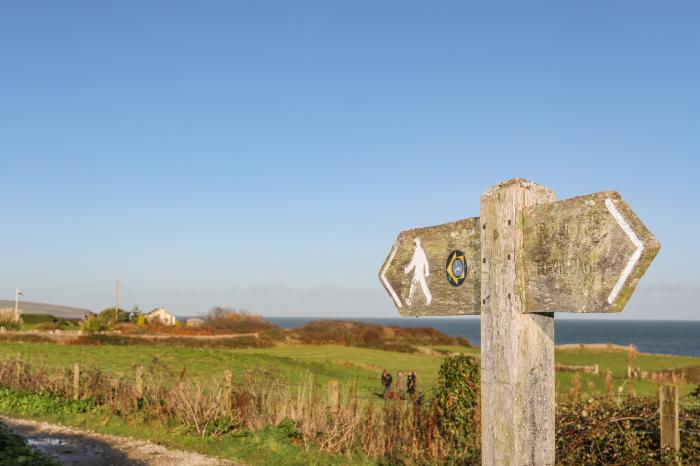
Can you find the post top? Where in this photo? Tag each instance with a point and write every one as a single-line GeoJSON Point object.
{"type": "Point", "coordinates": [515, 182]}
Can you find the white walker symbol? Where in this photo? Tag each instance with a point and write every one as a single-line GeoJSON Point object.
{"type": "Point", "coordinates": [421, 271]}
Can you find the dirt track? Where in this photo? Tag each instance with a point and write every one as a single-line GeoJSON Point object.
{"type": "Point", "coordinates": [82, 448]}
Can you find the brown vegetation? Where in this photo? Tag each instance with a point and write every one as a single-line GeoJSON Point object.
{"type": "Point", "coordinates": [605, 429]}
{"type": "Point", "coordinates": [10, 319]}
{"type": "Point", "coordinates": [226, 328]}
{"type": "Point", "coordinates": [361, 334]}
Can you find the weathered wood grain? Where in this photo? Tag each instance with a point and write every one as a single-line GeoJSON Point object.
{"type": "Point", "coordinates": [517, 349]}
{"type": "Point", "coordinates": [76, 380]}
{"type": "Point", "coordinates": [437, 242]}
{"type": "Point", "coordinates": [576, 251]}
{"type": "Point", "coordinates": [668, 412]}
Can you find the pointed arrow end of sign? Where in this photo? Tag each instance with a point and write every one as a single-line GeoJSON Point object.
{"type": "Point", "coordinates": [645, 244]}
{"type": "Point", "coordinates": [385, 281]}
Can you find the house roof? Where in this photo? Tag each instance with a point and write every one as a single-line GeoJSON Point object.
{"type": "Point", "coordinates": [157, 310]}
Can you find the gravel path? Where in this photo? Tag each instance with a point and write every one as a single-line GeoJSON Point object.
{"type": "Point", "coordinates": [81, 448]}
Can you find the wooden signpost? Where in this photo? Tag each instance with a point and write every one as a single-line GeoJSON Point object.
{"type": "Point", "coordinates": [523, 259]}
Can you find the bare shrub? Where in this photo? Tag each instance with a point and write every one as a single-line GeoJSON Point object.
{"type": "Point", "coordinates": [227, 320]}
{"type": "Point", "coordinates": [409, 432]}
{"type": "Point", "coordinates": [350, 333]}
{"type": "Point", "coordinates": [10, 319]}
{"type": "Point", "coordinates": [200, 408]}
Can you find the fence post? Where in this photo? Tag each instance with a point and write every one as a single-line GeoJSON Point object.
{"type": "Point", "coordinates": [668, 409]}
{"type": "Point", "coordinates": [228, 385]}
{"type": "Point", "coordinates": [139, 382]}
{"type": "Point", "coordinates": [76, 380]}
{"type": "Point", "coordinates": [18, 369]}
{"type": "Point", "coordinates": [333, 395]}
{"type": "Point", "coordinates": [596, 370]}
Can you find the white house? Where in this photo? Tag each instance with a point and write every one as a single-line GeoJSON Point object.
{"type": "Point", "coordinates": [162, 315]}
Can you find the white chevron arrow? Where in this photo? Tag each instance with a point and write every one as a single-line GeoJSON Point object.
{"type": "Point", "coordinates": [633, 258]}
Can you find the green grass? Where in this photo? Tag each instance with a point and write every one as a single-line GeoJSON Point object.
{"type": "Point", "coordinates": [268, 446]}
{"type": "Point", "coordinates": [199, 363]}
{"type": "Point", "coordinates": [455, 349]}
{"type": "Point", "coordinates": [325, 362]}
{"type": "Point", "coordinates": [616, 362]}
{"type": "Point", "coordinates": [68, 325]}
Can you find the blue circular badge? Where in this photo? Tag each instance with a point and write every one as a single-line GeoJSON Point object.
{"type": "Point", "coordinates": [456, 268]}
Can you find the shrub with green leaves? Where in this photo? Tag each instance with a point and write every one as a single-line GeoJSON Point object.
{"type": "Point", "coordinates": [15, 451]}
{"type": "Point", "coordinates": [105, 320]}
{"type": "Point", "coordinates": [38, 318]}
{"type": "Point", "coordinates": [457, 399]}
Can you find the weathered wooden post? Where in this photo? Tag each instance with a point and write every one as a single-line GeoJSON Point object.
{"type": "Point", "coordinates": [228, 386]}
{"type": "Point", "coordinates": [525, 258]}
{"type": "Point", "coordinates": [18, 370]}
{"type": "Point", "coordinates": [668, 411]}
{"type": "Point", "coordinates": [333, 395]}
{"type": "Point", "coordinates": [76, 380]}
{"type": "Point", "coordinates": [517, 396]}
{"type": "Point", "coordinates": [139, 382]}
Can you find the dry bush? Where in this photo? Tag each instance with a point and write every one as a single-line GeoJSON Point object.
{"type": "Point", "coordinates": [225, 320]}
{"type": "Point", "coordinates": [258, 400]}
{"type": "Point", "coordinates": [367, 335]}
{"type": "Point", "coordinates": [10, 319]}
{"type": "Point", "coordinates": [604, 430]}
{"type": "Point", "coordinates": [246, 341]}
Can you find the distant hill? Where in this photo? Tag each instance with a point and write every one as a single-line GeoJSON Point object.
{"type": "Point", "coordinates": [65, 312]}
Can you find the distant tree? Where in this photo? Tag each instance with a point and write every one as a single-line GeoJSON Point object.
{"type": "Point", "coordinates": [113, 317]}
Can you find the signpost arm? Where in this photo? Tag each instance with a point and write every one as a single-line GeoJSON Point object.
{"type": "Point", "coordinates": [517, 349]}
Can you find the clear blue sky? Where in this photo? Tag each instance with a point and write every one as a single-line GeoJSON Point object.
{"type": "Point", "coordinates": [264, 155]}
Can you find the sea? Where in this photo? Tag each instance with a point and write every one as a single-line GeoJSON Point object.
{"type": "Point", "coordinates": [649, 336]}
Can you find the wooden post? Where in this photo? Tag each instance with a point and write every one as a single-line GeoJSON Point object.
{"type": "Point", "coordinates": [596, 371]}
{"type": "Point", "coordinates": [517, 349]}
{"type": "Point", "coordinates": [139, 382]}
{"type": "Point", "coordinates": [333, 395]}
{"type": "Point", "coordinates": [228, 383]}
{"type": "Point", "coordinates": [76, 380]}
{"type": "Point", "coordinates": [668, 409]}
{"type": "Point", "coordinates": [18, 370]}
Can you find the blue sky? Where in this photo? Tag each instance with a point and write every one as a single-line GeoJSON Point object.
{"type": "Point", "coordinates": [264, 155]}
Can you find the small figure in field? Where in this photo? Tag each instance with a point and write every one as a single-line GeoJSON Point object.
{"type": "Point", "coordinates": [400, 384]}
{"type": "Point", "coordinates": [387, 379]}
{"type": "Point", "coordinates": [411, 384]}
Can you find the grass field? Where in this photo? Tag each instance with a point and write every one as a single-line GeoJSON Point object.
{"type": "Point", "coordinates": [325, 362]}
{"type": "Point", "coordinates": [68, 325]}
{"type": "Point", "coordinates": [293, 363]}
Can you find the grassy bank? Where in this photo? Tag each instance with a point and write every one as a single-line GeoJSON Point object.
{"type": "Point", "coordinates": [272, 445]}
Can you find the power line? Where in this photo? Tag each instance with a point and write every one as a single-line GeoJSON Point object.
{"type": "Point", "coordinates": [58, 288]}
